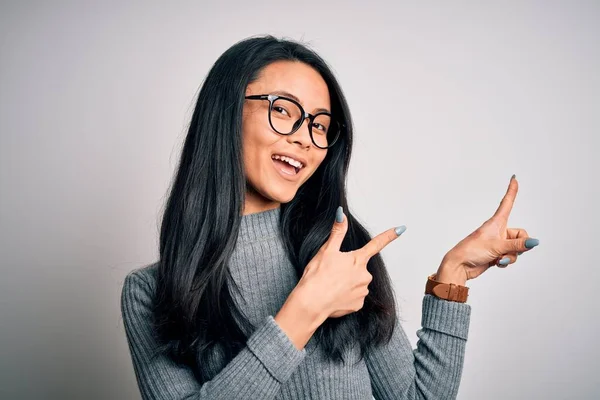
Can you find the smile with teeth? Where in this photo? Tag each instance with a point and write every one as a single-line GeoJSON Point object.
{"type": "Point", "coordinates": [294, 163]}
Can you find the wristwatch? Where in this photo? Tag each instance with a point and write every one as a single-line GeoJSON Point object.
{"type": "Point", "coordinates": [446, 291]}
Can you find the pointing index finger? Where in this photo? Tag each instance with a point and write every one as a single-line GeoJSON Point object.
{"type": "Point", "coordinates": [508, 200]}
{"type": "Point", "coordinates": [377, 244]}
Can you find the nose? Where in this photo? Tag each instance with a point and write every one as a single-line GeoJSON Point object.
{"type": "Point", "coordinates": [302, 135]}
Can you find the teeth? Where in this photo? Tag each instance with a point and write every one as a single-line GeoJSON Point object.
{"type": "Point", "coordinates": [289, 160]}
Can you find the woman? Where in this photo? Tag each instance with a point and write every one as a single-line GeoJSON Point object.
{"type": "Point", "coordinates": [267, 287]}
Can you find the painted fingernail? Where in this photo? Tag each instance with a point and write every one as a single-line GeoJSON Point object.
{"type": "Point", "coordinates": [519, 253]}
{"type": "Point", "coordinates": [400, 230]}
{"type": "Point", "coordinates": [531, 243]}
{"type": "Point", "coordinates": [504, 261]}
{"type": "Point", "coordinates": [513, 177]}
{"type": "Point", "coordinates": [339, 214]}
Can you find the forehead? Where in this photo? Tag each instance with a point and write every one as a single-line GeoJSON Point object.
{"type": "Point", "coordinates": [294, 77]}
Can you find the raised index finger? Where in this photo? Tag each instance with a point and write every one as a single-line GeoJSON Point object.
{"type": "Point", "coordinates": [377, 244]}
{"type": "Point", "coordinates": [508, 200]}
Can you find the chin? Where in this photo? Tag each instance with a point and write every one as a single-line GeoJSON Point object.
{"type": "Point", "coordinates": [283, 197]}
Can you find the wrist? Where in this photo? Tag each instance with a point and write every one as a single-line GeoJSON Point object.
{"type": "Point", "coordinates": [298, 318]}
{"type": "Point", "coordinates": [303, 302]}
{"type": "Point", "coordinates": [451, 271]}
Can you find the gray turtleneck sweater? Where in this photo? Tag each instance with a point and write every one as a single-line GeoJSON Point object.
{"type": "Point", "coordinates": [270, 366]}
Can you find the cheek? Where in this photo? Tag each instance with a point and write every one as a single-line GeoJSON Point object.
{"type": "Point", "coordinates": [318, 162]}
{"type": "Point", "coordinates": [256, 142]}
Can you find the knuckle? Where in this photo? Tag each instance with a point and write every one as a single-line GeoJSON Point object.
{"type": "Point", "coordinates": [336, 230]}
{"type": "Point", "coordinates": [391, 235]}
{"type": "Point", "coordinates": [497, 246]}
{"type": "Point", "coordinates": [477, 233]}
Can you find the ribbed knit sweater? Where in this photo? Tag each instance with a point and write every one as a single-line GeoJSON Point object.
{"type": "Point", "coordinates": [270, 366]}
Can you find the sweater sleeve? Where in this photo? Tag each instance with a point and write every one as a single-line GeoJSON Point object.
{"type": "Point", "coordinates": [432, 370]}
{"type": "Point", "coordinates": [256, 372]}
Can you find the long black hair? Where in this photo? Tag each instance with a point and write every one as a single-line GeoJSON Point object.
{"type": "Point", "coordinates": [194, 309]}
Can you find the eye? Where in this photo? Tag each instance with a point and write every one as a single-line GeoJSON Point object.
{"type": "Point", "coordinates": [281, 110]}
{"type": "Point", "coordinates": [320, 127]}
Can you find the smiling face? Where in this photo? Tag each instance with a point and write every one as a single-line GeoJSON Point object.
{"type": "Point", "coordinates": [271, 178]}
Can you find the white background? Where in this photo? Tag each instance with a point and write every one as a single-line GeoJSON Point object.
{"type": "Point", "coordinates": [449, 100]}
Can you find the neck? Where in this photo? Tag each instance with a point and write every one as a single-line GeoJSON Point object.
{"type": "Point", "coordinates": [255, 202]}
{"type": "Point", "coordinates": [259, 225]}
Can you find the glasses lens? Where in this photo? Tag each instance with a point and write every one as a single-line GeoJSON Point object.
{"type": "Point", "coordinates": [284, 116]}
{"type": "Point", "coordinates": [323, 131]}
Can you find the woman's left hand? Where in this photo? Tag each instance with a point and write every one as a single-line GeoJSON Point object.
{"type": "Point", "coordinates": [490, 244]}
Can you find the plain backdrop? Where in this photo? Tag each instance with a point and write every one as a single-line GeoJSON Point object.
{"type": "Point", "coordinates": [449, 99]}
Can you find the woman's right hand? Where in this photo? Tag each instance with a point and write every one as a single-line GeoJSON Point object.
{"type": "Point", "coordinates": [335, 282]}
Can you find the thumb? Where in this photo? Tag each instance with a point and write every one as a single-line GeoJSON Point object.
{"type": "Point", "coordinates": [518, 245]}
{"type": "Point", "coordinates": [338, 231]}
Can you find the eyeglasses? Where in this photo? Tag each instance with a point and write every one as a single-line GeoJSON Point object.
{"type": "Point", "coordinates": [287, 115]}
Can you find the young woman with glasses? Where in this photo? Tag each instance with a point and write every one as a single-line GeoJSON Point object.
{"type": "Point", "coordinates": [267, 287]}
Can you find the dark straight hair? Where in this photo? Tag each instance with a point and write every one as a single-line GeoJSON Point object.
{"type": "Point", "coordinates": [194, 309]}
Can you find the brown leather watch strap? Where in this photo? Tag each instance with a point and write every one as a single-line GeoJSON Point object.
{"type": "Point", "coordinates": [446, 291]}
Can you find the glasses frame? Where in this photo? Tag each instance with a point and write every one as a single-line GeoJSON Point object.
{"type": "Point", "coordinates": [304, 115]}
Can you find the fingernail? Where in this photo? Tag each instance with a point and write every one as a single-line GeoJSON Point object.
{"type": "Point", "coordinates": [339, 214]}
{"type": "Point", "coordinates": [400, 230]}
{"type": "Point", "coordinates": [513, 177]}
{"type": "Point", "coordinates": [531, 243]}
{"type": "Point", "coordinates": [504, 261]}
{"type": "Point", "coordinates": [519, 253]}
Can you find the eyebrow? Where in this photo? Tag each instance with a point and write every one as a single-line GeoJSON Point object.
{"type": "Point", "coordinates": [291, 96]}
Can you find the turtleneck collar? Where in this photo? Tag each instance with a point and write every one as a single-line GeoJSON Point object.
{"type": "Point", "coordinates": [260, 225]}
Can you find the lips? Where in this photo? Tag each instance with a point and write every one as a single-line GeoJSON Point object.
{"type": "Point", "coordinates": [287, 163]}
{"type": "Point", "coordinates": [296, 161]}
{"type": "Point", "coordinates": [287, 172]}
{"type": "Point", "coordinates": [285, 167]}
